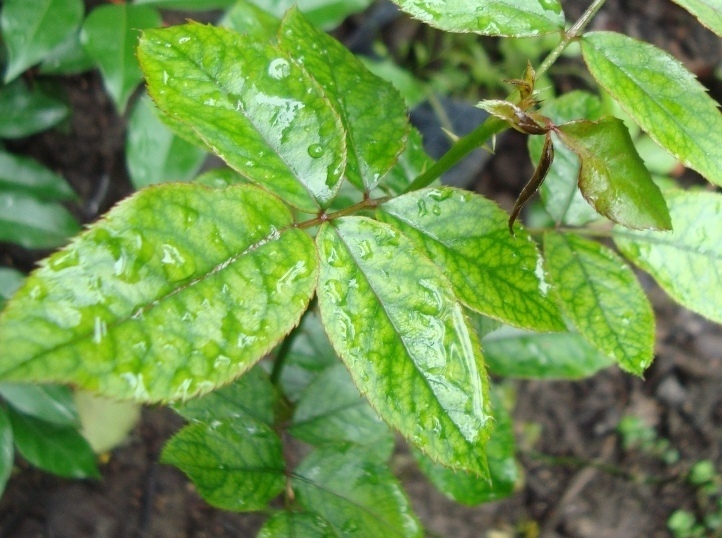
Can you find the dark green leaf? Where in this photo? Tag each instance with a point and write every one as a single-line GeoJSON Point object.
{"type": "Point", "coordinates": [109, 36]}
{"type": "Point", "coordinates": [372, 111]}
{"type": "Point", "coordinates": [154, 154]}
{"type": "Point", "coordinates": [296, 525]}
{"type": "Point", "coordinates": [393, 318]}
{"type": "Point", "coordinates": [178, 290]}
{"type": "Point", "coordinates": [26, 112]}
{"type": "Point", "coordinates": [602, 298]}
{"type": "Point", "coordinates": [57, 449]}
{"type": "Point", "coordinates": [51, 403]}
{"type": "Point", "coordinates": [190, 5]}
{"type": "Point", "coordinates": [34, 224]}
{"type": "Point", "coordinates": [612, 176]}
{"type": "Point", "coordinates": [68, 58]}
{"type": "Point", "coordinates": [29, 176]}
{"type": "Point", "coordinates": [513, 352]}
{"type": "Point", "coordinates": [33, 28]}
{"type": "Point", "coordinates": [258, 109]}
{"type": "Point", "coordinates": [687, 262]}
{"type": "Point", "coordinates": [331, 410]}
{"type": "Point", "coordinates": [412, 163]}
{"type": "Point", "coordinates": [708, 12]}
{"type": "Point", "coordinates": [245, 17]}
{"type": "Point", "coordinates": [6, 449]}
{"type": "Point", "coordinates": [660, 95]}
{"type": "Point", "coordinates": [350, 489]}
{"type": "Point", "coordinates": [466, 235]}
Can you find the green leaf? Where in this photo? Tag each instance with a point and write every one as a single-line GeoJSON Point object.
{"type": "Point", "coordinates": [154, 154]}
{"type": "Point", "coordinates": [467, 236]}
{"type": "Point", "coordinates": [235, 463]}
{"type": "Point", "coordinates": [412, 89]}
{"type": "Point", "coordinates": [504, 474]}
{"type": "Point", "coordinates": [612, 176]}
{"type": "Point", "coordinates": [178, 290]}
{"type": "Point", "coordinates": [392, 317]}
{"type": "Point", "coordinates": [660, 95]}
{"type": "Point", "coordinates": [686, 263]}
{"type": "Point", "coordinates": [371, 110]}
{"type": "Point", "coordinates": [105, 423]}
{"type": "Point", "coordinates": [708, 12]}
{"type": "Point", "coordinates": [60, 450]}
{"type": "Point", "coordinates": [323, 13]}
{"type": "Point", "coordinates": [511, 18]}
{"type": "Point", "coordinates": [220, 178]}
{"type": "Point", "coordinates": [29, 176]}
{"type": "Point", "coordinates": [26, 112]}
{"type": "Point", "coordinates": [51, 403]}
{"type": "Point", "coordinates": [512, 352]}
{"type": "Point", "coordinates": [331, 410]}
{"type": "Point", "coordinates": [259, 110]}
{"type": "Point", "coordinates": [602, 298]}
{"type": "Point", "coordinates": [296, 525]}
{"type": "Point", "coordinates": [559, 193]}
{"type": "Point", "coordinates": [412, 163]}
{"type": "Point", "coordinates": [34, 224]}
{"type": "Point", "coordinates": [33, 28]}
{"type": "Point", "coordinates": [68, 58]}
{"type": "Point", "coordinates": [6, 449]}
{"type": "Point", "coordinates": [109, 36]}
{"type": "Point", "coordinates": [350, 489]}
{"type": "Point", "coordinates": [190, 5]}
{"type": "Point", "coordinates": [245, 17]}
{"type": "Point", "coordinates": [10, 281]}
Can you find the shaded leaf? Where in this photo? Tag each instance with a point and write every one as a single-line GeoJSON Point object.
{"type": "Point", "coordinates": [57, 449]}
{"type": "Point", "coordinates": [258, 109]}
{"type": "Point", "coordinates": [7, 452]}
{"type": "Point", "coordinates": [612, 176]}
{"type": "Point", "coordinates": [297, 525]}
{"type": "Point", "coordinates": [26, 112]}
{"type": "Point", "coordinates": [466, 235]}
{"type": "Point", "coordinates": [33, 28]}
{"type": "Point", "coordinates": [355, 493]}
{"type": "Point", "coordinates": [220, 276]}
{"type": "Point", "coordinates": [411, 163]}
{"type": "Point", "coordinates": [34, 224]}
{"type": "Point", "coordinates": [26, 175]}
{"type": "Point", "coordinates": [661, 96]}
{"type": "Point", "coordinates": [371, 110]}
{"type": "Point", "coordinates": [708, 12]}
{"type": "Point", "coordinates": [51, 403]}
{"type": "Point", "coordinates": [512, 18]}
{"type": "Point", "coordinates": [109, 36]}
{"type": "Point", "coordinates": [686, 263]}
{"type": "Point", "coordinates": [10, 281]}
{"type": "Point", "coordinates": [68, 58]}
{"type": "Point", "coordinates": [602, 298]}
{"type": "Point", "coordinates": [411, 89]}
{"type": "Point", "coordinates": [392, 317]}
{"type": "Point", "coordinates": [323, 13]}
{"type": "Point", "coordinates": [190, 5]}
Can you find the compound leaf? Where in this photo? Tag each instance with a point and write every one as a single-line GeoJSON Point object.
{"type": "Point", "coordinates": [467, 236]}
{"type": "Point", "coordinates": [7, 451]}
{"type": "Point", "coordinates": [355, 493]}
{"type": "Point", "coordinates": [297, 525]}
{"type": "Point", "coordinates": [686, 263]}
{"type": "Point", "coordinates": [109, 36]}
{"type": "Point", "coordinates": [392, 317]}
{"type": "Point", "coordinates": [602, 298]}
{"type": "Point", "coordinates": [511, 18]}
{"type": "Point", "coordinates": [661, 96]}
{"type": "Point", "coordinates": [26, 112]}
{"type": "Point", "coordinates": [178, 290]}
{"type": "Point", "coordinates": [257, 108]}
{"type": "Point", "coordinates": [26, 175]}
{"type": "Point", "coordinates": [33, 28]}
{"type": "Point", "coordinates": [612, 176]}
{"type": "Point", "coordinates": [51, 403]}
{"type": "Point", "coordinates": [360, 98]}
{"type": "Point", "coordinates": [34, 224]}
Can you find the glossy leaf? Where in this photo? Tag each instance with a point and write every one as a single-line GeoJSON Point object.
{"type": "Point", "coordinates": [235, 463]}
{"type": "Point", "coordinates": [466, 235]}
{"type": "Point", "coordinates": [10, 281]}
{"type": "Point", "coordinates": [259, 110]}
{"type": "Point", "coordinates": [602, 298]}
{"type": "Point", "coordinates": [109, 36]}
{"type": "Point", "coordinates": [28, 111]}
{"type": "Point", "coordinates": [154, 154]}
{"type": "Point", "coordinates": [323, 13]}
{"type": "Point", "coordinates": [245, 17]}
{"type": "Point", "coordinates": [51, 403]}
{"type": "Point", "coordinates": [372, 111]}
{"type": "Point", "coordinates": [7, 451]}
{"type": "Point", "coordinates": [220, 275]}
{"type": "Point", "coordinates": [331, 410]}
{"type": "Point", "coordinates": [220, 178]}
{"type": "Point", "coordinates": [57, 449]}
{"type": "Point", "coordinates": [708, 12]}
{"type": "Point", "coordinates": [559, 193]}
{"type": "Point", "coordinates": [26, 175]}
{"type": "Point", "coordinates": [296, 525]}
{"type": "Point", "coordinates": [354, 493]}
{"type": "Point", "coordinates": [392, 317]}
{"type": "Point", "coordinates": [512, 18]}
{"type": "Point", "coordinates": [660, 95]}
{"type": "Point", "coordinates": [412, 163]}
{"type": "Point", "coordinates": [504, 474]}
{"type": "Point", "coordinates": [34, 224]}
{"type": "Point", "coordinates": [686, 263]}
{"type": "Point", "coordinates": [33, 28]}
{"type": "Point", "coordinates": [612, 176]}
{"type": "Point", "coordinates": [512, 352]}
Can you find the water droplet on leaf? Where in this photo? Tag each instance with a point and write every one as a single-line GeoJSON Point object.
{"type": "Point", "coordinates": [316, 150]}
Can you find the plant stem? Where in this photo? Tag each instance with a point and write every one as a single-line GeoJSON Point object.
{"type": "Point", "coordinates": [493, 125]}
{"type": "Point", "coordinates": [369, 203]}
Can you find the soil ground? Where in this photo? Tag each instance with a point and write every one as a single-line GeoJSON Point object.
{"type": "Point", "coordinates": [578, 479]}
